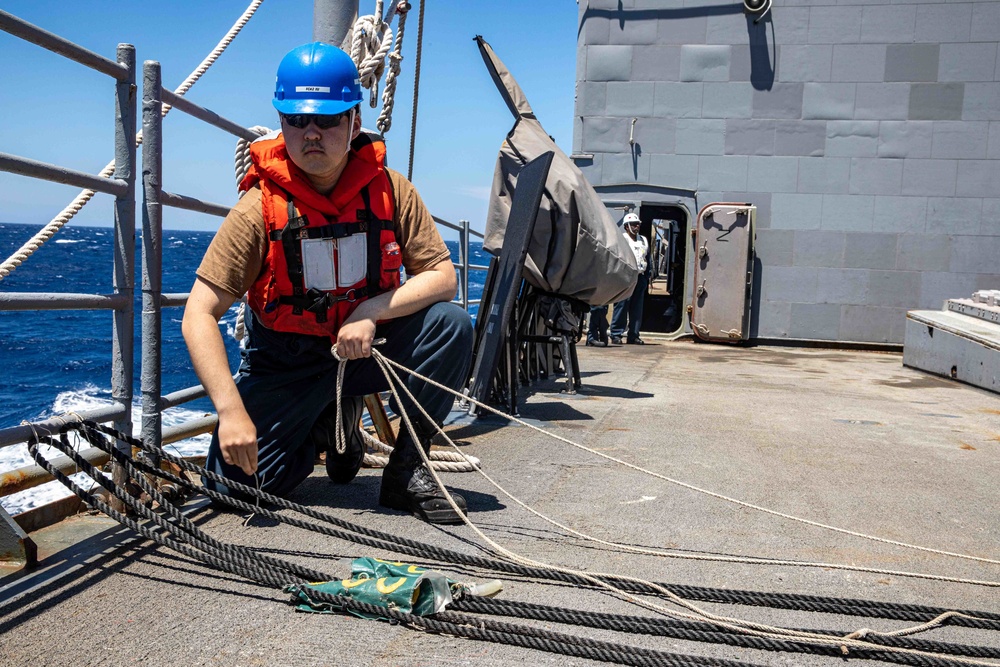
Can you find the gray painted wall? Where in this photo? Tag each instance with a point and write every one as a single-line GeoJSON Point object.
{"type": "Point", "coordinates": [866, 131]}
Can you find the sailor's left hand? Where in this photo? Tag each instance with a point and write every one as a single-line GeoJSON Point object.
{"type": "Point", "coordinates": [354, 340]}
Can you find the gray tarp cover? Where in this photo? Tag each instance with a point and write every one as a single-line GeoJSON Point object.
{"type": "Point", "coordinates": [576, 249]}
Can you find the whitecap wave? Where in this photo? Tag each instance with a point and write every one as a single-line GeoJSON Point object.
{"type": "Point", "coordinates": [70, 240]}
{"type": "Point", "coordinates": [88, 397]}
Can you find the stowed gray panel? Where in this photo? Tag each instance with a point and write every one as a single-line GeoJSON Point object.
{"type": "Point", "coordinates": [872, 127]}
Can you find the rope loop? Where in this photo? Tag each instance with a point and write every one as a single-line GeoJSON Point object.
{"type": "Point", "coordinates": [242, 158]}
{"type": "Point", "coordinates": [372, 46]}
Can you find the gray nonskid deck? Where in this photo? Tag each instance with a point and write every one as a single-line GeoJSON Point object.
{"type": "Point", "coordinates": [845, 438]}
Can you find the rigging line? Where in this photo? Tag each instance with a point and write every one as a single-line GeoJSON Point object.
{"type": "Point", "coordinates": [85, 195]}
{"type": "Point", "coordinates": [378, 539]}
{"type": "Point", "coordinates": [384, 121]}
{"type": "Point", "coordinates": [724, 559]}
{"type": "Point", "coordinates": [598, 578]}
{"type": "Point", "coordinates": [241, 561]}
{"type": "Point", "coordinates": [842, 643]}
{"type": "Point", "coordinates": [190, 541]}
{"type": "Point", "coordinates": [442, 460]}
{"type": "Point", "coordinates": [474, 464]}
{"type": "Point", "coordinates": [671, 628]}
{"type": "Point", "coordinates": [965, 619]}
{"type": "Point", "coordinates": [690, 487]}
{"type": "Point", "coordinates": [416, 88]}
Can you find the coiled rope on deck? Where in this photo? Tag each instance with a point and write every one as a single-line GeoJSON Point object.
{"type": "Point", "coordinates": [74, 207]}
{"type": "Point", "coordinates": [442, 460]}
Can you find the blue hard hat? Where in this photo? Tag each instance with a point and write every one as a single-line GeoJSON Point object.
{"type": "Point", "coordinates": [316, 78]}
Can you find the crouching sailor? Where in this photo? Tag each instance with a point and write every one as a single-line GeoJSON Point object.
{"type": "Point", "coordinates": [316, 242]}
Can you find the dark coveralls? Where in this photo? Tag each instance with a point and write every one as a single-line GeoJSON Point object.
{"type": "Point", "coordinates": [286, 381]}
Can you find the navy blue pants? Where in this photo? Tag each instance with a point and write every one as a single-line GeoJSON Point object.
{"type": "Point", "coordinates": [286, 380]}
{"type": "Point", "coordinates": [628, 312]}
{"type": "Point", "coordinates": [598, 328]}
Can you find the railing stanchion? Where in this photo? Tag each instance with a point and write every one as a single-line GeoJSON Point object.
{"type": "Point", "coordinates": [463, 254]}
{"type": "Point", "coordinates": [123, 337]}
{"type": "Point", "coordinates": [152, 252]}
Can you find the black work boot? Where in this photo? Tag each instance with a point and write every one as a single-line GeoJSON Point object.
{"type": "Point", "coordinates": [341, 468]}
{"type": "Point", "coordinates": [407, 485]}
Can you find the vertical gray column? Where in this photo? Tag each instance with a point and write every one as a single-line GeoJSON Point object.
{"type": "Point", "coordinates": [463, 255]}
{"type": "Point", "coordinates": [333, 21]}
{"type": "Point", "coordinates": [152, 249]}
{"type": "Point", "coordinates": [124, 268]}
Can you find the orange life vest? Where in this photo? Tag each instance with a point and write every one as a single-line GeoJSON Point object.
{"type": "Point", "coordinates": [362, 202]}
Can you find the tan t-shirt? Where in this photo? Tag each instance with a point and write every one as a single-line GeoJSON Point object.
{"type": "Point", "coordinates": [236, 255]}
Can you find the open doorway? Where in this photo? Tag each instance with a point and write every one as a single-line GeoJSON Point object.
{"type": "Point", "coordinates": [665, 228]}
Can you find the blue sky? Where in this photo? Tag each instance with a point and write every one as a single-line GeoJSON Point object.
{"type": "Point", "coordinates": [57, 111]}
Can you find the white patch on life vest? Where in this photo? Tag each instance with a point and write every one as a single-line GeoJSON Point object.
{"type": "Point", "coordinates": [312, 89]}
{"type": "Point", "coordinates": [317, 264]}
{"type": "Point", "coordinates": [352, 259]}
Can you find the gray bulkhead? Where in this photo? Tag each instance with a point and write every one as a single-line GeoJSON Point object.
{"type": "Point", "coordinates": [866, 133]}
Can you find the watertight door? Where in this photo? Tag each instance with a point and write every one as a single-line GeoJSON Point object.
{"type": "Point", "coordinates": [723, 274]}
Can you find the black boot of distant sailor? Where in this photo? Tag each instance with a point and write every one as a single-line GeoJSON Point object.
{"type": "Point", "coordinates": [407, 485]}
{"type": "Point", "coordinates": [341, 468]}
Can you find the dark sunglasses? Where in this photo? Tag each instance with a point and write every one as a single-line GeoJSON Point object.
{"type": "Point", "coordinates": [322, 121]}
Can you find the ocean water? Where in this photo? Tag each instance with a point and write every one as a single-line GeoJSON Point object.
{"type": "Point", "coordinates": [60, 361]}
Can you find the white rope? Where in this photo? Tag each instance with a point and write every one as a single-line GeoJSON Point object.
{"type": "Point", "coordinates": [712, 493]}
{"type": "Point", "coordinates": [240, 326]}
{"type": "Point", "coordinates": [372, 461]}
{"type": "Point", "coordinates": [737, 625]}
{"type": "Point", "coordinates": [242, 158]}
{"type": "Point", "coordinates": [442, 460]}
{"type": "Point", "coordinates": [371, 43]}
{"type": "Point", "coordinates": [243, 162]}
{"type": "Point", "coordinates": [384, 121]}
{"type": "Point", "coordinates": [85, 195]}
{"type": "Point", "coordinates": [446, 461]}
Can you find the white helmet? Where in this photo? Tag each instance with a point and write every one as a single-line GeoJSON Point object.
{"type": "Point", "coordinates": [631, 219]}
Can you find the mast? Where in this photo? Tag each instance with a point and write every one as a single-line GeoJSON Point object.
{"type": "Point", "coordinates": [333, 20]}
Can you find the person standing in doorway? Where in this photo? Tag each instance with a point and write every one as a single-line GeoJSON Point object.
{"type": "Point", "coordinates": [628, 312]}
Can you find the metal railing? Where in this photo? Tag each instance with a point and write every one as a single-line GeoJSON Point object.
{"type": "Point", "coordinates": [154, 96]}
{"type": "Point", "coordinates": [463, 268]}
{"type": "Point", "coordinates": [122, 186]}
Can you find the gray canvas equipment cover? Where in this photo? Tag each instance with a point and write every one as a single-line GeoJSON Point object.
{"type": "Point", "coordinates": [576, 250]}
